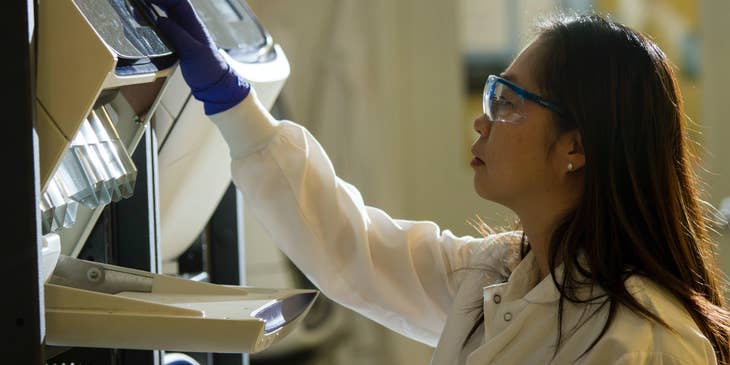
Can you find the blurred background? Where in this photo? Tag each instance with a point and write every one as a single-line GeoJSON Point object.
{"type": "Point", "coordinates": [390, 89]}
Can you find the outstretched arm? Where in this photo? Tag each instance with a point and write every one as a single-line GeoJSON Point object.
{"type": "Point", "coordinates": [402, 274]}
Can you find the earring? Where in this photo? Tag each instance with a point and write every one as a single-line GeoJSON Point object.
{"type": "Point", "coordinates": [570, 166]}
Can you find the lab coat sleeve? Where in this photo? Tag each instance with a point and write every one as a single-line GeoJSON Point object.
{"type": "Point", "coordinates": [402, 274]}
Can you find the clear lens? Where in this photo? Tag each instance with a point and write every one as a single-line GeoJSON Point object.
{"type": "Point", "coordinates": [501, 103]}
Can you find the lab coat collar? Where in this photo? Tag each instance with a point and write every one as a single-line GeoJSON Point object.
{"type": "Point", "coordinates": [463, 314]}
{"type": "Point", "coordinates": [525, 282]}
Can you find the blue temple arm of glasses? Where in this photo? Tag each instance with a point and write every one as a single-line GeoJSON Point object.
{"type": "Point", "coordinates": [530, 96]}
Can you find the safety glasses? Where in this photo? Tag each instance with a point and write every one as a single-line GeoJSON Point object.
{"type": "Point", "coordinates": [504, 101]}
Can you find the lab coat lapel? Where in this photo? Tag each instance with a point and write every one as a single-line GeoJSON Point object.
{"type": "Point", "coordinates": [522, 285]}
{"type": "Point", "coordinates": [521, 282]}
{"type": "Point", "coordinates": [502, 255]}
{"type": "Point", "coordinates": [461, 319]}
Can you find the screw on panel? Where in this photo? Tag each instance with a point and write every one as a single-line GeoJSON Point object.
{"type": "Point", "coordinates": [94, 274]}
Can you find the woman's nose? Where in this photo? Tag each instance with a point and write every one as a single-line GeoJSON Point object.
{"type": "Point", "coordinates": [482, 125]}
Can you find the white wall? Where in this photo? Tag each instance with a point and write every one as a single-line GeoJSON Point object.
{"type": "Point", "coordinates": [379, 83]}
{"type": "Point", "coordinates": [715, 117]}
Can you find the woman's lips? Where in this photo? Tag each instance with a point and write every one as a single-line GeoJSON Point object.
{"type": "Point", "coordinates": [476, 162]}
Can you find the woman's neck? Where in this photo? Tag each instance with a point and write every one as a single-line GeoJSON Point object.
{"type": "Point", "coordinates": [539, 225]}
{"type": "Point", "coordinates": [538, 236]}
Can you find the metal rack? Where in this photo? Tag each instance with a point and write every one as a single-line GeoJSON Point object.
{"type": "Point", "coordinates": [125, 234]}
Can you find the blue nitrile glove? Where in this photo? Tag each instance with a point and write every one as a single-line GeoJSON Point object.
{"type": "Point", "coordinates": [210, 78]}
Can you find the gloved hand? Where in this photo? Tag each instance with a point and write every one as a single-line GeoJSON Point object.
{"type": "Point", "coordinates": [210, 78]}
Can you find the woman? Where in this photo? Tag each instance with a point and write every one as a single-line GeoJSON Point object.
{"type": "Point", "coordinates": [582, 136]}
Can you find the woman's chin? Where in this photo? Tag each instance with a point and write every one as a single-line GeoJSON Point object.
{"type": "Point", "coordinates": [482, 189]}
{"type": "Point", "coordinates": [485, 190]}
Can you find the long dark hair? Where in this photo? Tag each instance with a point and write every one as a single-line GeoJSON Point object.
{"type": "Point", "coordinates": [641, 213]}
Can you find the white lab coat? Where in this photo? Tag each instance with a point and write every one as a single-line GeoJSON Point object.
{"type": "Point", "coordinates": [425, 283]}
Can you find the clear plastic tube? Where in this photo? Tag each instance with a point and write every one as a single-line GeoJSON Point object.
{"type": "Point", "coordinates": [58, 203]}
{"type": "Point", "coordinates": [72, 206]}
{"type": "Point", "coordinates": [111, 115]}
{"type": "Point", "coordinates": [46, 214]}
{"type": "Point", "coordinates": [80, 185]}
{"type": "Point", "coordinates": [88, 160]}
{"type": "Point", "coordinates": [71, 176]}
{"type": "Point", "coordinates": [95, 170]}
{"type": "Point", "coordinates": [58, 210]}
{"type": "Point", "coordinates": [97, 157]}
{"type": "Point", "coordinates": [101, 144]}
{"type": "Point", "coordinates": [106, 116]}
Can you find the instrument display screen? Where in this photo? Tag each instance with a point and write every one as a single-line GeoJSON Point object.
{"type": "Point", "coordinates": [232, 25]}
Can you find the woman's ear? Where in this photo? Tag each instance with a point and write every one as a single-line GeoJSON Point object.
{"type": "Point", "coordinates": [570, 156]}
{"type": "Point", "coordinates": [574, 151]}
